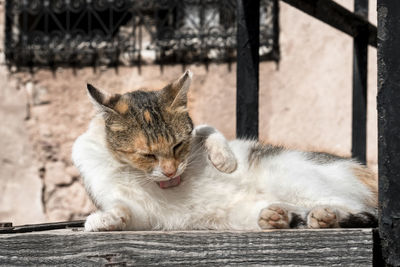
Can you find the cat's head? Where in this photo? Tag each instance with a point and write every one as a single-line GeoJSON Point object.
{"type": "Point", "coordinates": [149, 130]}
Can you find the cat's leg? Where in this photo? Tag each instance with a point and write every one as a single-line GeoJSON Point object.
{"type": "Point", "coordinates": [118, 214]}
{"type": "Point", "coordinates": [219, 152]}
{"type": "Point", "coordinates": [324, 217]}
{"type": "Point", "coordinates": [117, 218]}
{"type": "Point", "coordinates": [282, 216]}
{"type": "Point", "coordinates": [333, 217]}
{"type": "Point", "coordinates": [117, 209]}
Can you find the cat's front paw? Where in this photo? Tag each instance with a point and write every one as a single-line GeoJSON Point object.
{"type": "Point", "coordinates": [223, 161]}
{"type": "Point", "coordinates": [221, 156]}
{"type": "Point", "coordinates": [105, 221]}
{"type": "Point", "coordinates": [273, 217]}
{"type": "Point", "coordinates": [322, 217]}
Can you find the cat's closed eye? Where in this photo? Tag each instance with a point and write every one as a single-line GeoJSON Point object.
{"type": "Point", "coordinates": [126, 151]}
{"type": "Point", "coordinates": [177, 146]}
{"type": "Point", "coordinates": [149, 156]}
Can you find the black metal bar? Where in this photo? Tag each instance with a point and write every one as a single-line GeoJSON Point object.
{"type": "Point", "coordinates": [360, 69]}
{"type": "Point", "coordinates": [389, 128]}
{"type": "Point", "coordinates": [248, 31]}
{"type": "Point", "coordinates": [276, 49]}
{"type": "Point", "coordinates": [41, 227]}
{"type": "Point", "coordinates": [336, 16]}
{"type": "Point", "coordinates": [8, 30]}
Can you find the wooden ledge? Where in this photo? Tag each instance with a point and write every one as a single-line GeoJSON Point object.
{"type": "Point", "coordinates": [346, 247]}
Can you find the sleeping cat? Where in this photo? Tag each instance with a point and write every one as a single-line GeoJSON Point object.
{"type": "Point", "coordinates": [146, 168]}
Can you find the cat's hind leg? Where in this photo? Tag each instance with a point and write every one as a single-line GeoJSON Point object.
{"type": "Point", "coordinates": [360, 220]}
{"type": "Point", "coordinates": [334, 217]}
{"type": "Point", "coordinates": [323, 217]}
{"type": "Point", "coordinates": [282, 216]}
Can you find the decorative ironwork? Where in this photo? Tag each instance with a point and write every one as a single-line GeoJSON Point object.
{"type": "Point", "coordinates": [127, 32]}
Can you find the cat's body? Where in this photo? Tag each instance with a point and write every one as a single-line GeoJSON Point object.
{"type": "Point", "coordinates": [240, 185]}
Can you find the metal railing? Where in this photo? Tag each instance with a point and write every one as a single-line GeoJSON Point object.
{"type": "Point", "coordinates": [127, 32]}
{"type": "Point", "coordinates": [387, 40]}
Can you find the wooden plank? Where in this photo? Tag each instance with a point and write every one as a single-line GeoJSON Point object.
{"type": "Point", "coordinates": [336, 16]}
{"type": "Point", "coordinates": [345, 247]}
{"type": "Point", "coordinates": [389, 128]}
{"type": "Point", "coordinates": [248, 39]}
{"type": "Point", "coordinates": [360, 67]}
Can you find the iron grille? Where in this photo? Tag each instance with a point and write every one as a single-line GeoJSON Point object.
{"type": "Point", "coordinates": [128, 32]}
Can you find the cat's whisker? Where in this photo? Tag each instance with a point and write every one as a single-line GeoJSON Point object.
{"type": "Point", "coordinates": [195, 149]}
{"type": "Point", "coordinates": [145, 182]}
{"type": "Point", "coordinates": [194, 163]}
{"type": "Point", "coordinates": [194, 157]}
{"type": "Point", "coordinates": [196, 152]}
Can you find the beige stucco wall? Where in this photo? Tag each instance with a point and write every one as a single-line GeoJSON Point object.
{"type": "Point", "coordinates": [305, 102]}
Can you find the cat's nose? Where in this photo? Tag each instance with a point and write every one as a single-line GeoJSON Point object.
{"type": "Point", "coordinates": [169, 174]}
{"type": "Point", "coordinates": [168, 167]}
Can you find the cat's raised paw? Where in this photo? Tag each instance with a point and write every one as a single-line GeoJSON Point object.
{"type": "Point", "coordinates": [273, 217]}
{"type": "Point", "coordinates": [104, 221]}
{"type": "Point", "coordinates": [223, 161]}
{"type": "Point", "coordinates": [220, 155]}
{"type": "Point", "coordinates": [322, 217]}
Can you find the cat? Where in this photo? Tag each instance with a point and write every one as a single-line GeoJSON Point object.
{"type": "Point", "coordinates": [146, 167]}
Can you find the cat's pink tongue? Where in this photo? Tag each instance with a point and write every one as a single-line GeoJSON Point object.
{"type": "Point", "coordinates": [170, 183]}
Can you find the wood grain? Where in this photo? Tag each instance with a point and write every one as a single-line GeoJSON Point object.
{"type": "Point", "coordinates": [346, 247]}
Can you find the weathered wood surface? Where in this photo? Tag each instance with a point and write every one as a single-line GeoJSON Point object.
{"type": "Point", "coordinates": [345, 247]}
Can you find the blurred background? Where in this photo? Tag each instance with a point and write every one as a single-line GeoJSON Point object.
{"type": "Point", "coordinates": [51, 49]}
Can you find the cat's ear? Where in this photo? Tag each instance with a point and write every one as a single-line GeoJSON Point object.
{"type": "Point", "coordinates": [102, 101]}
{"type": "Point", "coordinates": [175, 93]}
